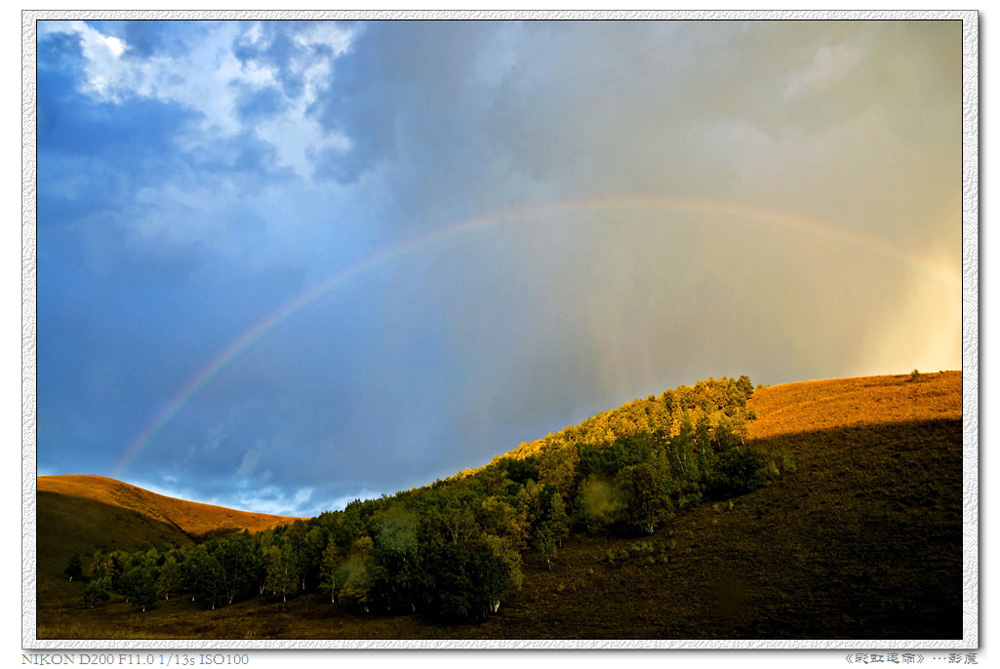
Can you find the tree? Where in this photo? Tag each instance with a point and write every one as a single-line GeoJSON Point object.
{"type": "Point", "coordinates": [598, 503]}
{"type": "Point", "coordinates": [680, 452]}
{"type": "Point", "coordinates": [111, 565]}
{"type": "Point", "coordinates": [213, 580]}
{"type": "Point", "coordinates": [468, 579]}
{"type": "Point", "coordinates": [97, 590]}
{"type": "Point", "coordinates": [282, 576]}
{"type": "Point", "coordinates": [171, 577]}
{"type": "Point", "coordinates": [392, 568]}
{"type": "Point", "coordinates": [138, 586]}
{"type": "Point", "coordinates": [521, 470]}
{"type": "Point", "coordinates": [501, 575]}
{"type": "Point", "coordinates": [745, 386]}
{"type": "Point", "coordinates": [329, 568]}
{"type": "Point", "coordinates": [558, 519]}
{"type": "Point", "coordinates": [702, 436]}
{"type": "Point", "coordinates": [237, 559]}
{"type": "Point", "coordinates": [736, 472]}
{"type": "Point", "coordinates": [203, 575]}
{"type": "Point", "coordinates": [557, 467]}
{"type": "Point", "coordinates": [75, 567]}
{"type": "Point", "coordinates": [354, 574]}
{"type": "Point", "coordinates": [644, 493]}
{"type": "Point", "coordinates": [724, 433]}
{"type": "Point", "coordinates": [544, 543]}
{"type": "Point", "coordinates": [497, 517]}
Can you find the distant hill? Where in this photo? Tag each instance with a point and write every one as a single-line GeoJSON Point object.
{"type": "Point", "coordinates": [79, 513]}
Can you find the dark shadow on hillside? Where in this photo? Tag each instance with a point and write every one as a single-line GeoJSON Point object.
{"type": "Point", "coordinates": [862, 541]}
{"type": "Point", "coordinates": [72, 524]}
{"type": "Point", "coordinates": [866, 535]}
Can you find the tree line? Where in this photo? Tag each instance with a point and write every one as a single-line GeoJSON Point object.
{"type": "Point", "coordinates": [455, 549]}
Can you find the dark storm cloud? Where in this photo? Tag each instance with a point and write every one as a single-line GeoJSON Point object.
{"type": "Point", "coordinates": [409, 90]}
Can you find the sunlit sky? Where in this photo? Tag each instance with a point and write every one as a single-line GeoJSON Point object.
{"type": "Point", "coordinates": [283, 265]}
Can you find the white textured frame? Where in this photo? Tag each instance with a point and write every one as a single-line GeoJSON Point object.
{"type": "Point", "coordinates": [970, 332]}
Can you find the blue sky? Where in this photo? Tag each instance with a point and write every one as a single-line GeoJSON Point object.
{"type": "Point", "coordinates": [282, 265]}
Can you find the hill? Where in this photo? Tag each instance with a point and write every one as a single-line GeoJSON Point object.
{"type": "Point", "coordinates": [858, 536]}
{"type": "Point", "coordinates": [873, 400]}
{"type": "Point", "coordinates": [79, 513]}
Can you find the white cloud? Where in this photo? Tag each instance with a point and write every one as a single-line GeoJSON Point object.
{"type": "Point", "coordinates": [251, 460]}
{"type": "Point", "coordinates": [104, 69]}
{"type": "Point", "coordinates": [209, 78]}
{"type": "Point", "coordinates": [273, 500]}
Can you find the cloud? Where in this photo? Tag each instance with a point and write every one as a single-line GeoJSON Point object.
{"type": "Point", "coordinates": [251, 460]}
{"type": "Point", "coordinates": [102, 54]}
{"type": "Point", "coordinates": [257, 79]}
{"type": "Point", "coordinates": [830, 66]}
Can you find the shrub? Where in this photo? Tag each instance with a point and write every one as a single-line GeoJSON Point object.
{"type": "Point", "coordinates": [98, 590]}
{"type": "Point", "coordinates": [787, 463]}
{"type": "Point", "coordinates": [736, 472]}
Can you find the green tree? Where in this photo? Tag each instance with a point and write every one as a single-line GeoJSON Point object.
{"type": "Point", "coordinates": [702, 434]}
{"type": "Point", "coordinates": [75, 567]}
{"type": "Point", "coordinates": [354, 575]}
{"type": "Point", "coordinates": [558, 519]}
{"type": "Point", "coordinates": [111, 566]}
{"type": "Point", "coordinates": [557, 467]}
{"type": "Point", "coordinates": [647, 504]}
{"type": "Point", "coordinates": [171, 577]}
{"type": "Point", "coordinates": [393, 573]}
{"type": "Point", "coordinates": [680, 452]}
{"type": "Point", "coordinates": [213, 581]}
{"type": "Point", "coordinates": [599, 503]}
{"type": "Point", "coordinates": [736, 472]}
{"type": "Point", "coordinates": [725, 437]}
{"type": "Point", "coordinates": [501, 574]}
{"type": "Point", "coordinates": [468, 579]}
{"type": "Point", "coordinates": [138, 586]}
{"type": "Point", "coordinates": [544, 543]}
{"type": "Point", "coordinates": [203, 576]}
{"type": "Point", "coordinates": [97, 590]}
{"type": "Point", "coordinates": [282, 571]}
{"type": "Point", "coordinates": [496, 516]}
{"type": "Point", "coordinates": [330, 567]}
{"type": "Point", "coordinates": [237, 558]}
{"type": "Point", "coordinates": [521, 470]}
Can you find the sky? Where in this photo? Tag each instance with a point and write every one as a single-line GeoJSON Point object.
{"type": "Point", "coordinates": [284, 265]}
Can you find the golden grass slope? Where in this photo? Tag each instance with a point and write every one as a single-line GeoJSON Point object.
{"type": "Point", "coordinates": [192, 518]}
{"type": "Point", "coordinates": [870, 400]}
{"type": "Point", "coordinates": [80, 514]}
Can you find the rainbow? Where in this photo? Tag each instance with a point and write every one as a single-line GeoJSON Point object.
{"type": "Point", "coordinates": [519, 215]}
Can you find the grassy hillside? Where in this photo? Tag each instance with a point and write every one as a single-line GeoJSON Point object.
{"type": "Point", "coordinates": [83, 513]}
{"type": "Point", "coordinates": [872, 400]}
{"type": "Point", "coordinates": [860, 539]}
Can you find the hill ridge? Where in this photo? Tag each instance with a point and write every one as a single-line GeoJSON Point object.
{"type": "Point", "coordinates": [194, 519]}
